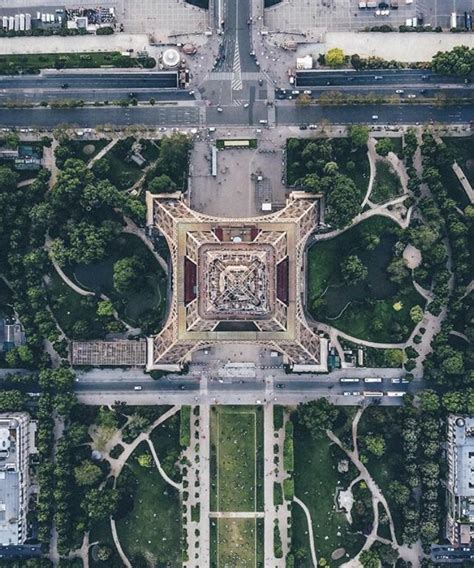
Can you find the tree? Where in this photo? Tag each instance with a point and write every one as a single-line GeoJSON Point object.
{"type": "Point", "coordinates": [145, 460]}
{"type": "Point", "coordinates": [317, 416]}
{"type": "Point", "coordinates": [359, 135]}
{"type": "Point", "coordinates": [384, 146]}
{"type": "Point", "coordinates": [335, 57]}
{"type": "Point", "coordinates": [57, 380]}
{"type": "Point", "coordinates": [99, 504]}
{"type": "Point", "coordinates": [87, 473]}
{"type": "Point", "coordinates": [12, 140]}
{"type": "Point", "coordinates": [162, 184]}
{"type": "Point", "coordinates": [453, 402]}
{"type": "Point", "coordinates": [453, 365]}
{"type": "Point", "coordinates": [375, 445]}
{"type": "Point", "coordinates": [394, 357]}
{"type": "Point", "coordinates": [416, 314]}
{"type": "Point", "coordinates": [398, 270]}
{"type": "Point", "coordinates": [104, 553]}
{"type": "Point", "coordinates": [101, 168]}
{"type": "Point", "coordinates": [369, 559]}
{"type": "Point", "coordinates": [399, 493]}
{"type": "Point", "coordinates": [458, 61]}
{"type": "Point", "coordinates": [429, 401]}
{"type": "Point", "coordinates": [11, 400]}
{"type": "Point", "coordinates": [353, 269]}
{"type": "Point", "coordinates": [105, 308]}
{"type": "Point", "coordinates": [126, 274]}
{"type": "Point", "coordinates": [343, 201]}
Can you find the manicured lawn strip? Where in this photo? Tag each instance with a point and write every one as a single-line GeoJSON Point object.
{"type": "Point", "coordinates": [278, 414]}
{"type": "Point", "coordinates": [166, 441]}
{"type": "Point", "coordinates": [277, 493]}
{"type": "Point", "coordinates": [185, 427]}
{"type": "Point", "coordinates": [316, 478]}
{"type": "Point", "coordinates": [369, 301]}
{"type": "Point", "coordinates": [236, 458]}
{"type": "Point", "coordinates": [236, 541]}
{"type": "Point", "coordinates": [153, 527]}
{"type": "Point", "coordinates": [69, 308]}
{"type": "Point", "coordinates": [387, 183]}
{"type": "Point", "coordinates": [34, 62]}
{"type": "Point", "coordinates": [148, 302]}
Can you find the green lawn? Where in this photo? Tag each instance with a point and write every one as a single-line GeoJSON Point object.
{"type": "Point", "coordinates": [236, 458]}
{"type": "Point", "coordinates": [32, 63]}
{"type": "Point", "coordinates": [387, 183]}
{"type": "Point", "coordinates": [152, 529]}
{"type": "Point", "coordinates": [316, 482]}
{"type": "Point", "coordinates": [147, 303]}
{"type": "Point", "coordinates": [75, 314]}
{"type": "Point", "coordinates": [165, 438]}
{"type": "Point", "coordinates": [85, 149]}
{"type": "Point", "coordinates": [236, 542]}
{"type": "Point", "coordinates": [365, 309]}
{"type": "Point", "coordinates": [102, 533]}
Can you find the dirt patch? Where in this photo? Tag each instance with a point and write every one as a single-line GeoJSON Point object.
{"type": "Point", "coordinates": [88, 149]}
{"type": "Point", "coordinates": [412, 256]}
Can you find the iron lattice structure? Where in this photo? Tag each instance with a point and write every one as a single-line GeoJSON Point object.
{"type": "Point", "coordinates": [235, 280]}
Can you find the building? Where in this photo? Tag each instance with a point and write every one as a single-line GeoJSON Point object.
{"type": "Point", "coordinates": [460, 482]}
{"type": "Point", "coordinates": [17, 443]}
{"type": "Point", "coordinates": [12, 334]}
{"type": "Point", "coordinates": [236, 281]}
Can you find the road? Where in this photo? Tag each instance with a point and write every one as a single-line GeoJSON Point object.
{"type": "Point", "coordinates": [287, 113]}
{"type": "Point", "coordinates": [410, 78]}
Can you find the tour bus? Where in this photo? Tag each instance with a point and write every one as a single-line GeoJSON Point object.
{"type": "Point", "coordinates": [349, 380]}
{"type": "Point", "coordinates": [372, 394]}
{"type": "Point", "coordinates": [395, 393]}
{"type": "Point", "coordinates": [372, 380]}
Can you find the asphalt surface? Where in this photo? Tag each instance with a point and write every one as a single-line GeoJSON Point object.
{"type": "Point", "coordinates": [287, 113]}
{"type": "Point", "coordinates": [375, 77]}
{"type": "Point", "coordinates": [92, 80]}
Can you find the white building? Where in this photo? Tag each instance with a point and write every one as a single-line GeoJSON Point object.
{"type": "Point", "coordinates": [17, 443]}
{"type": "Point", "coordinates": [460, 483]}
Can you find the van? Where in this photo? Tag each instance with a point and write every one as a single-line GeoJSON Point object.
{"type": "Point", "coordinates": [263, 121]}
{"type": "Point", "coordinates": [138, 388]}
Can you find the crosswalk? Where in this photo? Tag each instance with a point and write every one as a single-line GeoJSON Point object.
{"type": "Point", "coordinates": [237, 78]}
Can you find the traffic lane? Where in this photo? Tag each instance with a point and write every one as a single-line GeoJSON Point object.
{"type": "Point", "coordinates": [419, 91]}
{"type": "Point", "coordinates": [91, 81]}
{"type": "Point", "coordinates": [131, 386]}
{"type": "Point", "coordinates": [94, 95]}
{"type": "Point", "coordinates": [287, 114]}
{"type": "Point", "coordinates": [92, 117]}
{"type": "Point", "coordinates": [380, 76]}
{"type": "Point", "coordinates": [236, 115]}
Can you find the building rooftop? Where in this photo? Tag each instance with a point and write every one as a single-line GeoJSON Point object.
{"type": "Point", "coordinates": [462, 448]}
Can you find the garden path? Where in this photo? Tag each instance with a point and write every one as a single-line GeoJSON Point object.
{"type": "Point", "coordinates": [102, 153]}
{"type": "Point", "coordinates": [164, 475]}
{"type": "Point", "coordinates": [49, 162]}
{"type": "Point", "coordinates": [371, 153]}
{"type": "Point", "coordinates": [310, 529]}
{"type": "Point", "coordinates": [268, 479]}
{"type": "Point", "coordinates": [133, 229]}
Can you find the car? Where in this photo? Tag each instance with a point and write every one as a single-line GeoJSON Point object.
{"type": "Point", "coordinates": [220, 109]}
{"type": "Point", "coordinates": [181, 387]}
{"type": "Point", "coordinates": [378, 77]}
{"type": "Point", "coordinates": [132, 95]}
{"type": "Point", "coordinates": [396, 381]}
{"type": "Point", "coordinates": [191, 93]}
{"type": "Point", "coordinates": [280, 386]}
{"type": "Point", "coordinates": [211, 129]}
{"type": "Point", "coordinates": [246, 105]}
{"type": "Point", "coordinates": [399, 91]}
{"type": "Point", "coordinates": [260, 82]}
{"type": "Point", "coordinates": [295, 92]}
{"type": "Point", "coordinates": [307, 92]}
{"type": "Point", "coordinates": [412, 96]}
{"type": "Point", "coordinates": [375, 117]}
{"type": "Point", "coordinates": [347, 393]}
{"type": "Point", "coordinates": [64, 86]}
{"type": "Point", "coordinates": [313, 126]}
{"type": "Point", "coordinates": [252, 53]}
{"type": "Point", "coordinates": [303, 127]}
{"type": "Point", "coordinates": [138, 388]}
{"type": "Point", "coordinates": [422, 91]}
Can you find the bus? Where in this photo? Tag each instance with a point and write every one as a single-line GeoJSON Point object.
{"type": "Point", "coordinates": [372, 380]}
{"type": "Point", "coordinates": [369, 394]}
{"type": "Point", "coordinates": [349, 380]}
{"type": "Point", "coordinates": [396, 393]}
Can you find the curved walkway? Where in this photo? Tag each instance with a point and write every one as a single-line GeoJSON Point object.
{"type": "Point", "coordinates": [163, 473]}
{"type": "Point", "coordinates": [118, 546]}
{"type": "Point", "coordinates": [371, 157]}
{"type": "Point", "coordinates": [310, 529]}
{"type": "Point", "coordinates": [133, 229]}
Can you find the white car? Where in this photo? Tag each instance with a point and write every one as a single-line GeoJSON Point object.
{"type": "Point", "coordinates": [220, 109]}
{"type": "Point", "coordinates": [375, 117]}
{"type": "Point", "coordinates": [412, 96]}
{"type": "Point", "coordinates": [307, 92]}
{"type": "Point", "coordinates": [138, 388]}
{"type": "Point", "coordinates": [399, 91]}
